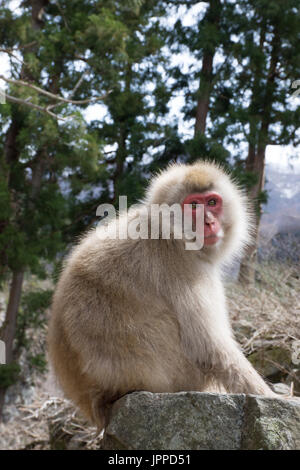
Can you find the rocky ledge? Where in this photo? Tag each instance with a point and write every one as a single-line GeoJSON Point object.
{"type": "Point", "coordinates": [194, 420]}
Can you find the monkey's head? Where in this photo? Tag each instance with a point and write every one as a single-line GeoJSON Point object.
{"type": "Point", "coordinates": [227, 216]}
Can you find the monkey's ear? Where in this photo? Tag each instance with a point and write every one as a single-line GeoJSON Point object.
{"type": "Point", "coordinates": [165, 184]}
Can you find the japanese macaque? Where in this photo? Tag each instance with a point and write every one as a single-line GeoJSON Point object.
{"type": "Point", "coordinates": [148, 314]}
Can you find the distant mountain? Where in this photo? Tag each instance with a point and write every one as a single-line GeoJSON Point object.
{"type": "Point", "coordinates": [281, 214]}
{"type": "Point", "coordinates": [280, 223]}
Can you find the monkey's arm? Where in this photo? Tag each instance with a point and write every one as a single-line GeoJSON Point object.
{"type": "Point", "coordinates": [207, 339]}
{"type": "Point", "coordinates": [238, 375]}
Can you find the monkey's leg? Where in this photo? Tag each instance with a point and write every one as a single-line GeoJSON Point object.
{"type": "Point", "coordinates": [102, 407]}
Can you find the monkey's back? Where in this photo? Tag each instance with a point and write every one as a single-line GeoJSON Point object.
{"type": "Point", "coordinates": [110, 334]}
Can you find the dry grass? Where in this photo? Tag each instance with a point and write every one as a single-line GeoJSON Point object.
{"type": "Point", "coordinates": [268, 314]}
{"type": "Point", "coordinates": [30, 429]}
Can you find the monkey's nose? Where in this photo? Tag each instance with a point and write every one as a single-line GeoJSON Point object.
{"type": "Point", "coordinates": [211, 223]}
{"type": "Point", "coordinates": [209, 219]}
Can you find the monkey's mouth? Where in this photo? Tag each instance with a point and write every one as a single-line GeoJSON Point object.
{"type": "Point", "coordinates": [212, 239]}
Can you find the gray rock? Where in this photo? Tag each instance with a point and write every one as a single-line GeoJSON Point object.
{"type": "Point", "coordinates": [194, 420]}
{"type": "Point", "coordinates": [271, 424]}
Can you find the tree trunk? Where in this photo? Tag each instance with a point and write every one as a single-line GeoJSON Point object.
{"type": "Point", "coordinates": [10, 322]}
{"type": "Point", "coordinates": [204, 93]}
{"type": "Point", "coordinates": [247, 267]}
{"type": "Point", "coordinates": [9, 327]}
{"type": "Point", "coordinates": [256, 159]}
{"type": "Point", "coordinates": [206, 76]}
{"type": "Point", "coordinates": [122, 152]}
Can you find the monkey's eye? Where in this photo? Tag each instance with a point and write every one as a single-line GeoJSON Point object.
{"type": "Point", "coordinates": [212, 202]}
{"type": "Point", "coordinates": [194, 204]}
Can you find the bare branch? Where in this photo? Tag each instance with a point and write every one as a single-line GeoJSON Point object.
{"type": "Point", "coordinates": [30, 44]}
{"type": "Point", "coordinates": [10, 52]}
{"type": "Point", "coordinates": [80, 57]}
{"type": "Point", "coordinates": [15, 49]}
{"type": "Point", "coordinates": [51, 95]}
{"type": "Point", "coordinates": [13, 99]}
{"type": "Point", "coordinates": [62, 15]}
{"type": "Point", "coordinates": [51, 106]}
{"type": "Point", "coordinates": [186, 3]}
{"type": "Point", "coordinates": [86, 72]}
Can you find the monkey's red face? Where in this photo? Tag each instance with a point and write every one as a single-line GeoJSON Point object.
{"type": "Point", "coordinates": [212, 203]}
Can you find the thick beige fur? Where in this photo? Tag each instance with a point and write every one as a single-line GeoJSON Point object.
{"type": "Point", "coordinates": [147, 314]}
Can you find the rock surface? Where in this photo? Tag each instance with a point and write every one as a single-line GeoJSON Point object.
{"type": "Point", "coordinates": [194, 420]}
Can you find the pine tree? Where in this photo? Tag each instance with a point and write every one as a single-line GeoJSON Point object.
{"type": "Point", "coordinates": [246, 58]}
{"type": "Point", "coordinates": [267, 52]}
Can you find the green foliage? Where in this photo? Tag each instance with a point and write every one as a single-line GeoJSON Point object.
{"type": "Point", "coordinates": [202, 147]}
{"type": "Point", "coordinates": [133, 186]}
{"type": "Point", "coordinates": [32, 315]}
{"type": "Point", "coordinates": [38, 362]}
{"type": "Point", "coordinates": [9, 374]}
{"type": "Point", "coordinates": [4, 199]}
{"type": "Point", "coordinates": [254, 52]}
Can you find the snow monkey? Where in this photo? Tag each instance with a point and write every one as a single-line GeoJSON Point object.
{"type": "Point", "coordinates": [148, 314]}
